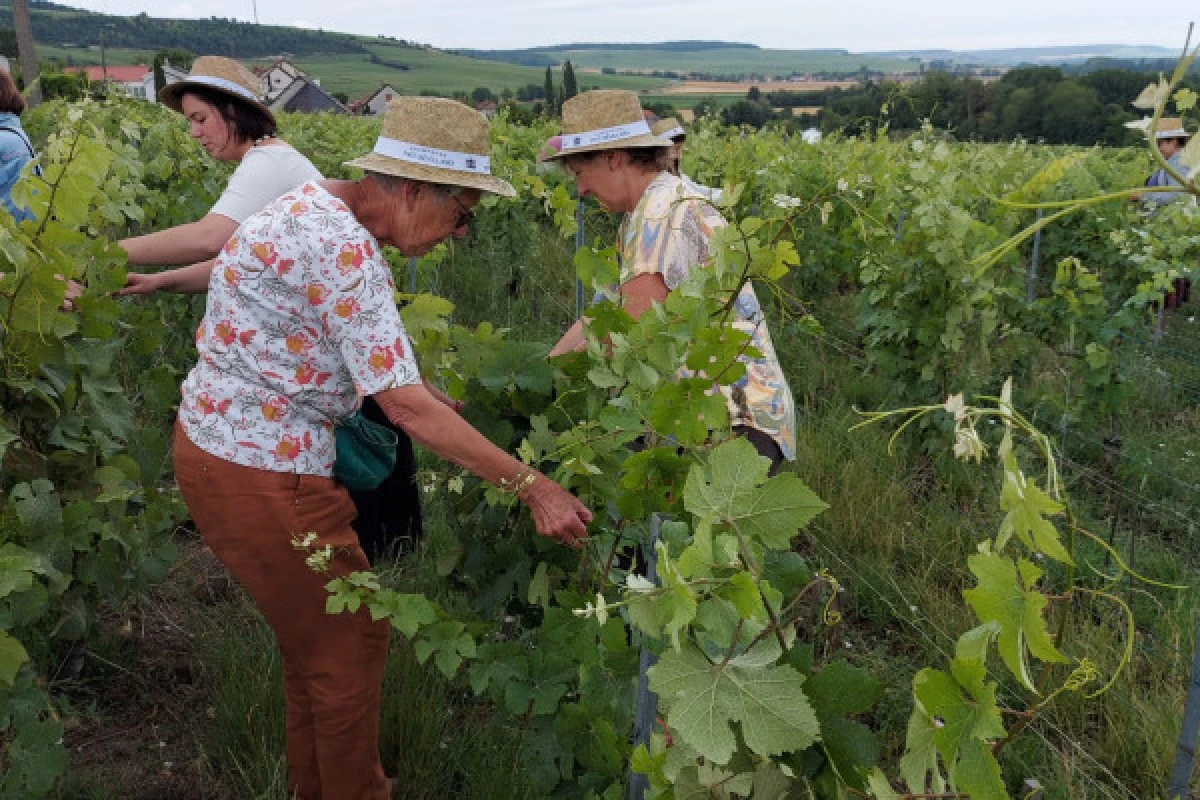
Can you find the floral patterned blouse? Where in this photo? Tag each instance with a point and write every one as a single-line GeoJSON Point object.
{"type": "Point", "coordinates": [301, 323]}
{"type": "Point", "coordinates": [668, 234]}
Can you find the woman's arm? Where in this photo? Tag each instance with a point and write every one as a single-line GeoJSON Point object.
{"type": "Point", "coordinates": [442, 397]}
{"type": "Point", "coordinates": [556, 512]}
{"type": "Point", "coordinates": [637, 295]}
{"type": "Point", "coordinates": [183, 244]}
{"type": "Point", "coordinates": [184, 280]}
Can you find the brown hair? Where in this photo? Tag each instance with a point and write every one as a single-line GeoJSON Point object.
{"type": "Point", "coordinates": [246, 121]}
{"type": "Point", "coordinates": [10, 98]}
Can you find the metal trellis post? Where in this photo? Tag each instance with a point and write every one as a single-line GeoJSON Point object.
{"type": "Point", "coordinates": [1031, 282]}
{"type": "Point", "coordinates": [647, 701]}
{"type": "Point", "coordinates": [578, 246]}
{"type": "Point", "coordinates": [1185, 751]}
{"type": "Point", "coordinates": [412, 275]}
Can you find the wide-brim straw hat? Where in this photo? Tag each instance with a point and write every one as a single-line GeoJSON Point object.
{"type": "Point", "coordinates": [1171, 128]}
{"type": "Point", "coordinates": [219, 74]}
{"type": "Point", "coordinates": [669, 128]}
{"type": "Point", "coordinates": [603, 119]}
{"type": "Point", "coordinates": [437, 140]}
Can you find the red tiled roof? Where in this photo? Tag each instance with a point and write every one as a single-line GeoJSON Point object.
{"type": "Point", "coordinates": [115, 74]}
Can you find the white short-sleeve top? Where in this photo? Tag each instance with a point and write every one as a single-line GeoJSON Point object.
{"type": "Point", "coordinates": [301, 323]}
{"type": "Point", "coordinates": [265, 172]}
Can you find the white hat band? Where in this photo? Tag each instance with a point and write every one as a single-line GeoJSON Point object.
{"type": "Point", "coordinates": [1177, 133]}
{"type": "Point", "coordinates": [671, 134]}
{"type": "Point", "coordinates": [221, 83]}
{"type": "Point", "coordinates": [572, 141]}
{"type": "Point", "coordinates": [433, 157]}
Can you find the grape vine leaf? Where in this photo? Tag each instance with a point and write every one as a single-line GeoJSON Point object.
{"type": "Point", "coordinates": [1027, 507]}
{"type": "Point", "coordinates": [687, 410]}
{"type": "Point", "coordinates": [708, 782]}
{"type": "Point", "coordinates": [1001, 597]}
{"type": "Point", "coordinates": [12, 657]}
{"type": "Point", "coordinates": [703, 700]}
{"type": "Point", "coordinates": [956, 716]}
{"type": "Point", "coordinates": [734, 490]}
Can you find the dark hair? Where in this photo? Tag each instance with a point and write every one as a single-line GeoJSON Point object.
{"type": "Point", "coordinates": [246, 121]}
{"type": "Point", "coordinates": [10, 98]}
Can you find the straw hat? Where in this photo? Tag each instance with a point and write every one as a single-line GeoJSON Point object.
{"type": "Point", "coordinates": [669, 128]}
{"type": "Point", "coordinates": [220, 74]}
{"type": "Point", "coordinates": [604, 119]}
{"type": "Point", "coordinates": [437, 140]}
{"type": "Point", "coordinates": [1171, 128]}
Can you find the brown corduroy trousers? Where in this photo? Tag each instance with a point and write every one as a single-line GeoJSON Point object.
{"type": "Point", "coordinates": [332, 665]}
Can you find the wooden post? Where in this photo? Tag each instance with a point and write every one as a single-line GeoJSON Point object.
{"type": "Point", "coordinates": [26, 52]}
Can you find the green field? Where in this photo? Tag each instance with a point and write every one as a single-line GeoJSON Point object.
{"type": "Point", "coordinates": [439, 71]}
{"type": "Point", "coordinates": [427, 69]}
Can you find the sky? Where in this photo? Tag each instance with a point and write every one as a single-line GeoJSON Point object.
{"type": "Point", "coordinates": [860, 26]}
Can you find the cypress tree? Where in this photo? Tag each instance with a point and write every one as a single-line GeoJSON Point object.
{"type": "Point", "coordinates": [570, 87]}
{"type": "Point", "coordinates": [550, 105]}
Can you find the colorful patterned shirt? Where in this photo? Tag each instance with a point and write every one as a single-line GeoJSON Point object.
{"type": "Point", "coordinates": [301, 323]}
{"type": "Point", "coordinates": [667, 234]}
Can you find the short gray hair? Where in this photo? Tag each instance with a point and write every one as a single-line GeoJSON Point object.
{"type": "Point", "coordinates": [395, 183]}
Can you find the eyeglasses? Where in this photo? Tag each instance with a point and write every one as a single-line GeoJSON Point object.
{"type": "Point", "coordinates": [465, 215]}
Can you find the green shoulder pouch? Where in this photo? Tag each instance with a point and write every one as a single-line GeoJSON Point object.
{"type": "Point", "coordinates": [365, 452]}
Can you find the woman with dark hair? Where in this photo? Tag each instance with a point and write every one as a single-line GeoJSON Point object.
{"type": "Point", "coordinates": [608, 147]}
{"type": "Point", "coordinates": [219, 98]}
{"type": "Point", "coordinates": [220, 102]}
{"type": "Point", "coordinates": [15, 149]}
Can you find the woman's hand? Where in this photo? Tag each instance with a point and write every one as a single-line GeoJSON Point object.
{"type": "Point", "coordinates": [556, 512]}
{"type": "Point", "coordinates": [141, 283]}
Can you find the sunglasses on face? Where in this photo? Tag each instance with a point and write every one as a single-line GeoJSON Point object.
{"type": "Point", "coordinates": [465, 215]}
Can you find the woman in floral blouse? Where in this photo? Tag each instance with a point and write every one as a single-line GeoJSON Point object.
{"type": "Point", "coordinates": [301, 325]}
{"type": "Point", "coordinates": [609, 148]}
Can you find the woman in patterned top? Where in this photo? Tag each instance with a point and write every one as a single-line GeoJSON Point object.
{"type": "Point", "coordinates": [609, 148]}
{"type": "Point", "coordinates": [302, 324]}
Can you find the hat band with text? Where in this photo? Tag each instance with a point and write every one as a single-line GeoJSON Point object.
{"type": "Point", "coordinates": [432, 156]}
{"type": "Point", "coordinates": [671, 134]}
{"type": "Point", "coordinates": [572, 141]}
{"type": "Point", "coordinates": [221, 83]}
{"type": "Point", "coordinates": [1177, 133]}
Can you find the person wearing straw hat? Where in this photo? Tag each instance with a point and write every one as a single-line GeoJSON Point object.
{"type": "Point", "coordinates": [1171, 138]}
{"type": "Point", "coordinates": [220, 100]}
{"type": "Point", "coordinates": [301, 324]}
{"type": "Point", "coordinates": [611, 151]}
{"type": "Point", "coordinates": [670, 128]}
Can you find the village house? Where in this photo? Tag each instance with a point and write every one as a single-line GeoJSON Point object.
{"type": "Point", "coordinates": [375, 102]}
{"type": "Point", "coordinates": [304, 94]}
{"type": "Point", "coordinates": [277, 77]}
{"type": "Point", "coordinates": [136, 81]}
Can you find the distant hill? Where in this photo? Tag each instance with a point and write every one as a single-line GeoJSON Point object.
{"type": "Point", "coordinates": [734, 60]}
{"type": "Point", "coordinates": [56, 24]}
{"type": "Point", "coordinates": [1045, 56]}
{"type": "Point", "coordinates": [719, 60]}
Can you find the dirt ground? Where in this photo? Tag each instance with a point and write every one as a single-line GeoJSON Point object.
{"type": "Point", "coordinates": [139, 694]}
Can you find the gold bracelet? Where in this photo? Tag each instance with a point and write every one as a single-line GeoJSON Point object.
{"type": "Point", "coordinates": [524, 478]}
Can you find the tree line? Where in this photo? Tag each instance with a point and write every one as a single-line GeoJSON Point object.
{"type": "Point", "coordinates": [1036, 103]}
{"type": "Point", "coordinates": [216, 36]}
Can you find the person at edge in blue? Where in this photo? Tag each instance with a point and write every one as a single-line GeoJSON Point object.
{"type": "Point", "coordinates": [15, 148]}
{"type": "Point", "coordinates": [1171, 138]}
